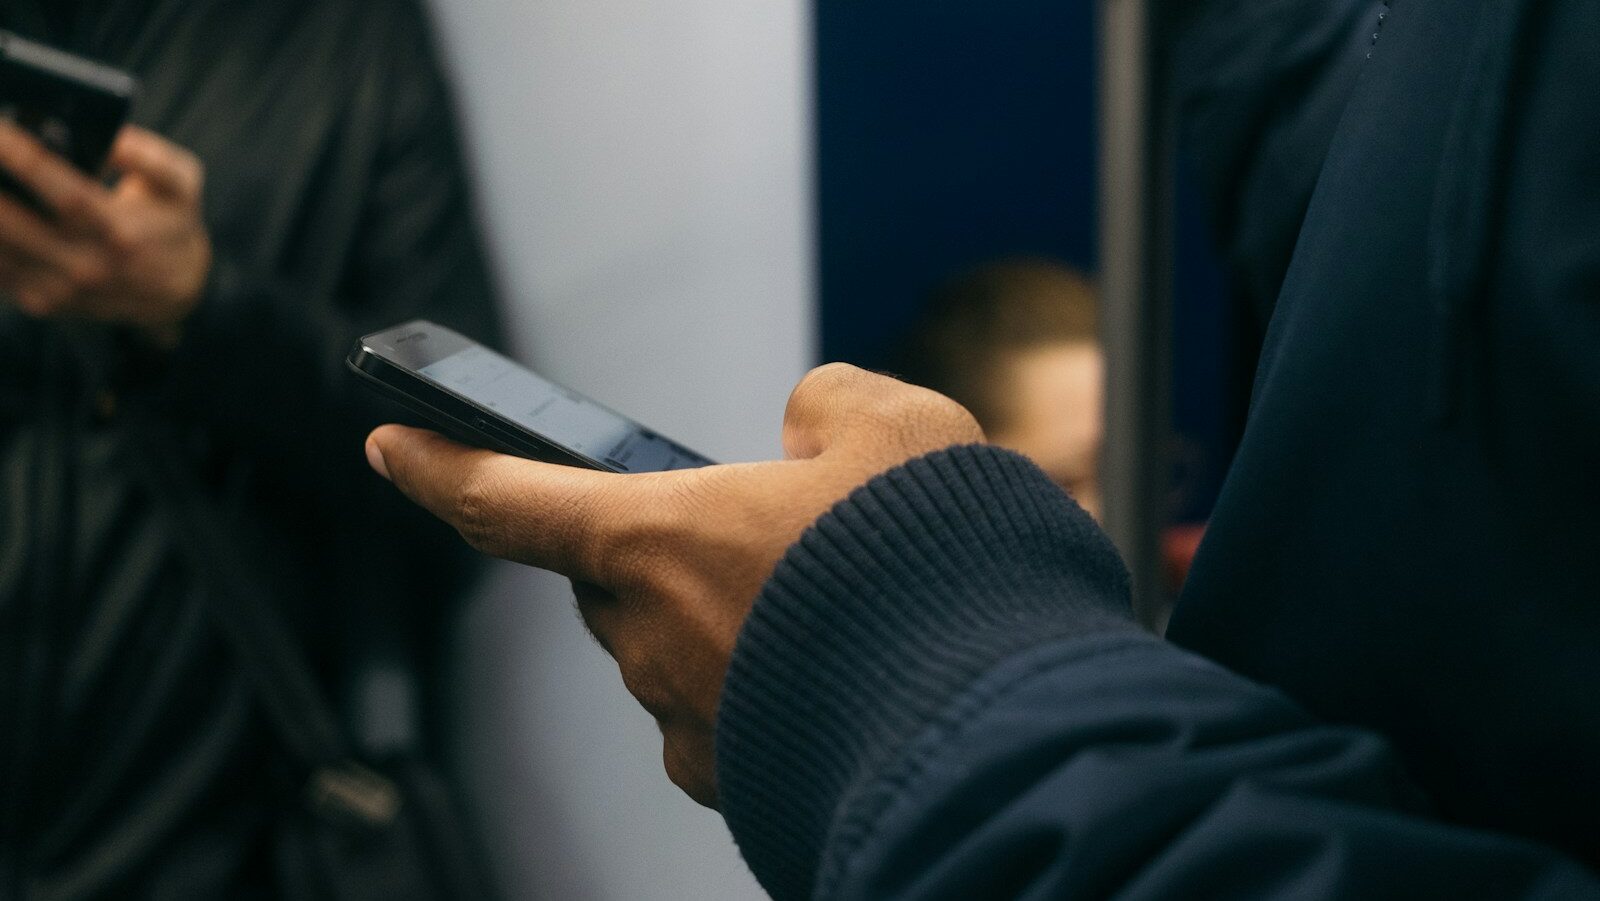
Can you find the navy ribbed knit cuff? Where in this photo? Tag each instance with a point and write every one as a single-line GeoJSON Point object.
{"type": "Point", "coordinates": [884, 611]}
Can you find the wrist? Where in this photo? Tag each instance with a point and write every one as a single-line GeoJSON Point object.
{"type": "Point", "coordinates": [928, 576]}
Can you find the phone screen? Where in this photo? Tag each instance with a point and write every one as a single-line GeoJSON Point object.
{"type": "Point", "coordinates": [555, 413]}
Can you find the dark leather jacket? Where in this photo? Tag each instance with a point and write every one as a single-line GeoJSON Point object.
{"type": "Point", "coordinates": [133, 761]}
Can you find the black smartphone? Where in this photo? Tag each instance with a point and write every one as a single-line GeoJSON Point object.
{"type": "Point", "coordinates": [74, 106]}
{"type": "Point", "coordinates": [482, 398]}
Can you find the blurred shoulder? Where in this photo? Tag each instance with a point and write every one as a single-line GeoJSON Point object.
{"type": "Point", "coordinates": [364, 29]}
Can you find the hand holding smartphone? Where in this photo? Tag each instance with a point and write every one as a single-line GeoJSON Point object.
{"type": "Point", "coordinates": [481, 398]}
{"type": "Point", "coordinates": [74, 106]}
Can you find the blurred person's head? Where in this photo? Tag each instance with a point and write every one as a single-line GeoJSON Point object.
{"type": "Point", "coordinates": [1015, 342]}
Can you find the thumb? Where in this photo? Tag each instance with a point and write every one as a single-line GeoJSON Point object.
{"type": "Point", "coordinates": [540, 514]}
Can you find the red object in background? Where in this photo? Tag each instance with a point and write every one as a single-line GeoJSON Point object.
{"type": "Point", "coordinates": [1178, 547]}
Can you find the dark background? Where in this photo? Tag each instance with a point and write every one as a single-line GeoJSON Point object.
{"type": "Point", "coordinates": [953, 134]}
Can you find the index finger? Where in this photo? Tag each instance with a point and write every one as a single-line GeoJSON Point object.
{"type": "Point", "coordinates": [539, 514]}
{"type": "Point", "coordinates": [73, 197]}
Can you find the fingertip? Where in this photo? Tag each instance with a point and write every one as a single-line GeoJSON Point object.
{"type": "Point", "coordinates": [375, 456]}
{"type": "Point", "coordinates": [403, 449]}
{"type": "Point", "coordinates": [395, 432]}
{"type": "Point", "coordinates": [124, 153]}
{"type": "Point", "coordinates": [169, 168]}
{"type": "Point", "coordinates": [384, 434]}
{"type": "Point", "coordinates": [131, 139]}
{"type": "Point", "coordinates": [387, 442]}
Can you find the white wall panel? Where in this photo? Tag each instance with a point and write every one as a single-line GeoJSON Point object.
{"type": "Point", "coordinates": [643, 168]}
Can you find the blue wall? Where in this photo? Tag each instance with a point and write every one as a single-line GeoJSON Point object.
{"type": "Point", "coordinates": [950, 134]}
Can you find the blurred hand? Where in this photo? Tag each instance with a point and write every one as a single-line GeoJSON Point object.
{"type": "Point", "coordinates": [666, 565]}
{"type": "Point", "coordinates": [136, 254]}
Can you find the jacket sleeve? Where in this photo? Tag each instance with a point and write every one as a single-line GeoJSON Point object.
{"type": "Point", "coordinates": [1260, 88]}
{"type": "Point", "coordinates": [940, 693]}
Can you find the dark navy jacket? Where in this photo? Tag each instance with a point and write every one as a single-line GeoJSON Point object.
{"type": "Point", "coordinates": [1384, 677]}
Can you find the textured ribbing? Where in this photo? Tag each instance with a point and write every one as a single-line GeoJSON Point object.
{"type": "Point", "coordinates": [884, 611]}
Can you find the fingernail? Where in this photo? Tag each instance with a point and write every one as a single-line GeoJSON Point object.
{"type": "Point", "coordinates": [375, 459]}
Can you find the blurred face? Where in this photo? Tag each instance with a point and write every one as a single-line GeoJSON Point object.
{"type": "Point", "coordinates": [1055, 397]}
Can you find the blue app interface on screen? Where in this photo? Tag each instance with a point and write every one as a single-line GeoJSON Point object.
{"type": "Point", "coordinates": [559, 415]}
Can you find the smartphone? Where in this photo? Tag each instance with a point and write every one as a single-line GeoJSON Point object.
{"type": "Point", "coordinates": [73, 105]}
{"type": "Point", "coordinates": [482, 398]}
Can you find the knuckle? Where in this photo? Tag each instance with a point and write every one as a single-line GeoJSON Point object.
{"type": "Point", "coordinates": [799, 429]}
{"type": "Point", "coordinates": [817, 393]}
{"type": "Point", "coordinates": [940, 413]}
{"type": "Point", "coordinates": [687, 757]}
{"type": "Point", "coordinates": [826, 378]}
{"type": "Point", "coordinates": [87, 273]}
{"type": "Point", "coordinates": [638, 551]}
{"type": "Point", "coordinates": [480, 516]}
{"type": "Point", "coordinates": [919, 419]}
{"type": "Point", "coordinates": [630, 552]}
{"type": "Point", "coordinates": [897, 418]}
{"type": "Point", "coordinates": [640, 677]}
{"type": "Point", "coordinates": [675, 762]}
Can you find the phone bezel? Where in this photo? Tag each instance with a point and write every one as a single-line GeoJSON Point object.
{"type": "Point", "coordinates": [106, 94]}
{"type": "Point", "coordinates": [388, 361]}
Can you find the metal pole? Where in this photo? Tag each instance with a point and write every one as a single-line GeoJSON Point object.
{"type": "Point", "coordinates": [1135, 289]}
